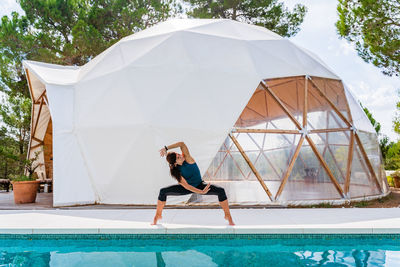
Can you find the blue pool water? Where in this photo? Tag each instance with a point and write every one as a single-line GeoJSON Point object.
{"type": "Point", "coordinates": [200, 250]}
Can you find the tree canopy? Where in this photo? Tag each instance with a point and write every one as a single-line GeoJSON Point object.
{"type": "Point", "coordinates": [72, 32]}
{"type": "Point", "coordinates": [373, 26]}
{"type": "Point", "coordinates": [69, 32]}
{"type": "Point", "coordinates": [14, 133]}
{"type": "Point", "coordinates": [270, 14]}
{"type": "Point", "coordinates": [375, 124]}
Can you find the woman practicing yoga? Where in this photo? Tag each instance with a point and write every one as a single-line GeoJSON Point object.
{"type": "Point", "coordinates": [184, 169]}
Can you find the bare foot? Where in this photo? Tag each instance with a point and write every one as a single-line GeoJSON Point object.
{"type": "Point", "coordinates": [156, 218]}
{"type": "Point", "coordinates": [229, 219]}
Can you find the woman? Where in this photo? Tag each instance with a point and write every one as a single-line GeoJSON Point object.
{"type": "Point", "coordinates": [184, 169]}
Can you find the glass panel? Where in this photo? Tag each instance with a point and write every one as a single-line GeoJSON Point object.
{"type": "Point", "coordinates": [275, 154]}
{"type": "Point", "coordinates": [308, 180]}
{"type": "Point", "coordinates": [385, 187]}
{"type": "Point", "coordinates": [263, 112]}
{"type": "Point", "coordinates": [361, 183]}
{"type": "Point", "coordinates": [231, 171]}
{"type": "Point", "coordinates": [334, 147]}
{"type": "Point", "coordinates": [360, 120]}
{"type": "Point", "coordinates": [334, 91]}
{"type": "Point", "coordinates": [371, 147]}
{"type": "Point", "coordinates": [320, 114]}
{"type": "Point", "coordinates": [291, 93]}
{"type": "Point", "coordinates": [249, 143]}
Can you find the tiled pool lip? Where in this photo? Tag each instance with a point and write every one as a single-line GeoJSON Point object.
{"type": "Point", "coordinates": [395, 237]}
{"type": "Point", "coordinates": [204, 230]}
{"type": "Point", "coordinates": [204, 222]}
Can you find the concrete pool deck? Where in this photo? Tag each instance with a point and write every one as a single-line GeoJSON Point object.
{"type": "Point", "coordinates": [202, 221]}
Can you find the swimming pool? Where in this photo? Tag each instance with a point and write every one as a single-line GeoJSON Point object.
{"type": "Point", "coordinates": [200, 250]}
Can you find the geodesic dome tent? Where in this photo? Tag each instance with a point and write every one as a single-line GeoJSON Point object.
{"type": "Point", "coordinates": [263, 117]}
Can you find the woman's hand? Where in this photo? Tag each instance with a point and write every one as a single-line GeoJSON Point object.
{"type": "Point", "coordinates": [163, 152]}
{"type": "Point", "coordinates": [206, 189]}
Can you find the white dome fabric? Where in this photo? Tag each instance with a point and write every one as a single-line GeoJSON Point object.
{"type": "Point", "coordinates": [181, 80]}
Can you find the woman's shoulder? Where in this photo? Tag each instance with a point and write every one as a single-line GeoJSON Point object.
{"type": "Point", "coordinates": [190, 162]}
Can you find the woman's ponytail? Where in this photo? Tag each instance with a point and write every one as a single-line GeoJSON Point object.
{"type": "Point", "coordinates": [174, 170]}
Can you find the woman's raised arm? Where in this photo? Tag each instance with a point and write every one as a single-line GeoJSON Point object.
{"type": "Point", "coordinates": [183, 148]}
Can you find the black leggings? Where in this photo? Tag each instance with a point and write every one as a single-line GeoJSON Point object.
{"type": "Point", "coordinates": [178, 190]}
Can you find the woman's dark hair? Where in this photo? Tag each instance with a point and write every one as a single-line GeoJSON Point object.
{"type": "Point", "coordinates": [175, 172]}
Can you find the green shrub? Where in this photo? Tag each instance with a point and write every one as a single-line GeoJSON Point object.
{"type": "Point", "coordinates": [390, 181]}
{"type": "Point", "coordinates": [22, 178]}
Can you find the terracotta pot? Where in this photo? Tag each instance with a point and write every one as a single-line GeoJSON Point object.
{"type": "Point", "coordinates": [396, 181]}
{"type": "Point", "coordinates": [25, 191]}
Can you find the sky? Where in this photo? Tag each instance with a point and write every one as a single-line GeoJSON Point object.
{"type": "Point", "coordinates": [376, 91]}
{"type": "Point", "coordinates": [318, 33]}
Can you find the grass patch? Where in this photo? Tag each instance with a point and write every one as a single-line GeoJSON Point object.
{"type": "Point", "coordinates": [361, 204]}
{"type": "Point", "coordinates": [320, 206]}
{"type": "Point", "coordinates": [323, 205]}
{"type": "Point", "coordinates": [387, 198]}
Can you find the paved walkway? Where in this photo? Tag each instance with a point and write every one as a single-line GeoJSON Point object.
{"type": "Point", "coordinates": [190, 221]}
{"type": "Point", "coordinates": [43, 201]}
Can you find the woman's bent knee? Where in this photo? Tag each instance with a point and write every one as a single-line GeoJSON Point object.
{"type": "Point", "coordinates": [222, 195]}
{"type": "Point", "coordinates": [162, 196]}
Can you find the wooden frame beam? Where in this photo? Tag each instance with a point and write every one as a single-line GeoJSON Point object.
{"type": "Point", "coordinates": [331, 104]}
{"type": "Point", "coordinates": [283, 83]}
{"type": "Point", "coordinates": [289, 169]}
{"type": "Point", "coordinates": [329, 130]}
{"type": "Point", "coordinates": [35, 146]}
{"type": "Point", "coordinates": [38, 117]}
{"type": "Point", "coordinates": [40, 97]}
{"type": "Point", "coordinates": [362, 163]}
{"type": "Point", "coordinates": [285, 109]}
{"type": "Point", "coordinates": [239, 147]}
{"type": "Point", "coordinates": [282, 78]}
{"type": "Point", "coordinates": [37, 139]}
{"type": "Point", "coordinates": [336, 163]}
{"type": "Point", "coordinates": [30, 84]}
{"type": "Point", "coordinates": [272, 131]}
{"type": "Point", "coordinates": [236, 164]}
{"type": "Point", "coordinates": [290, 142]}
{"type": "Point", "coordinates": [328, 145]}
{"type": "Point", "coordinates": [325, 78]}
{"type": "Point", "coordinates": [32, 108]}
{"type": "Point", "coordinates": [346, 101]}
{"type": "Point", "coordinates": [305, 108]}
{"type": "Point", "coordinates": [325, 166]}
{"type": "Point", "coordinates": [349, 164]}
{"type": "Point", "coordinates": [369, 165]}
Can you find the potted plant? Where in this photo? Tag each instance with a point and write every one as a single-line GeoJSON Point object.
{"type": "Point", "coordinates": [396, 178]}
{"type": "Point", "coordinates": [25, 186]}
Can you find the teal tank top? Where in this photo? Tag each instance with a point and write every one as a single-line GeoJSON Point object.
{"type": "Point", "coordinates": [191, 173]}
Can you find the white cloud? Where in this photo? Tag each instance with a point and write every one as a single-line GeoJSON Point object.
{"type": "Point", "coordinates": [8, 6]}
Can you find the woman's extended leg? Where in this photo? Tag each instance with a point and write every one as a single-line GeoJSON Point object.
{"type": "Point", "coordinates": [223, 200]}
{"type": "Point", "coordinates": [173, 190]}
{"type": "Point", "coordinates": [225, 206]}
{"type": "Point", "coordinates": [158, 216]}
